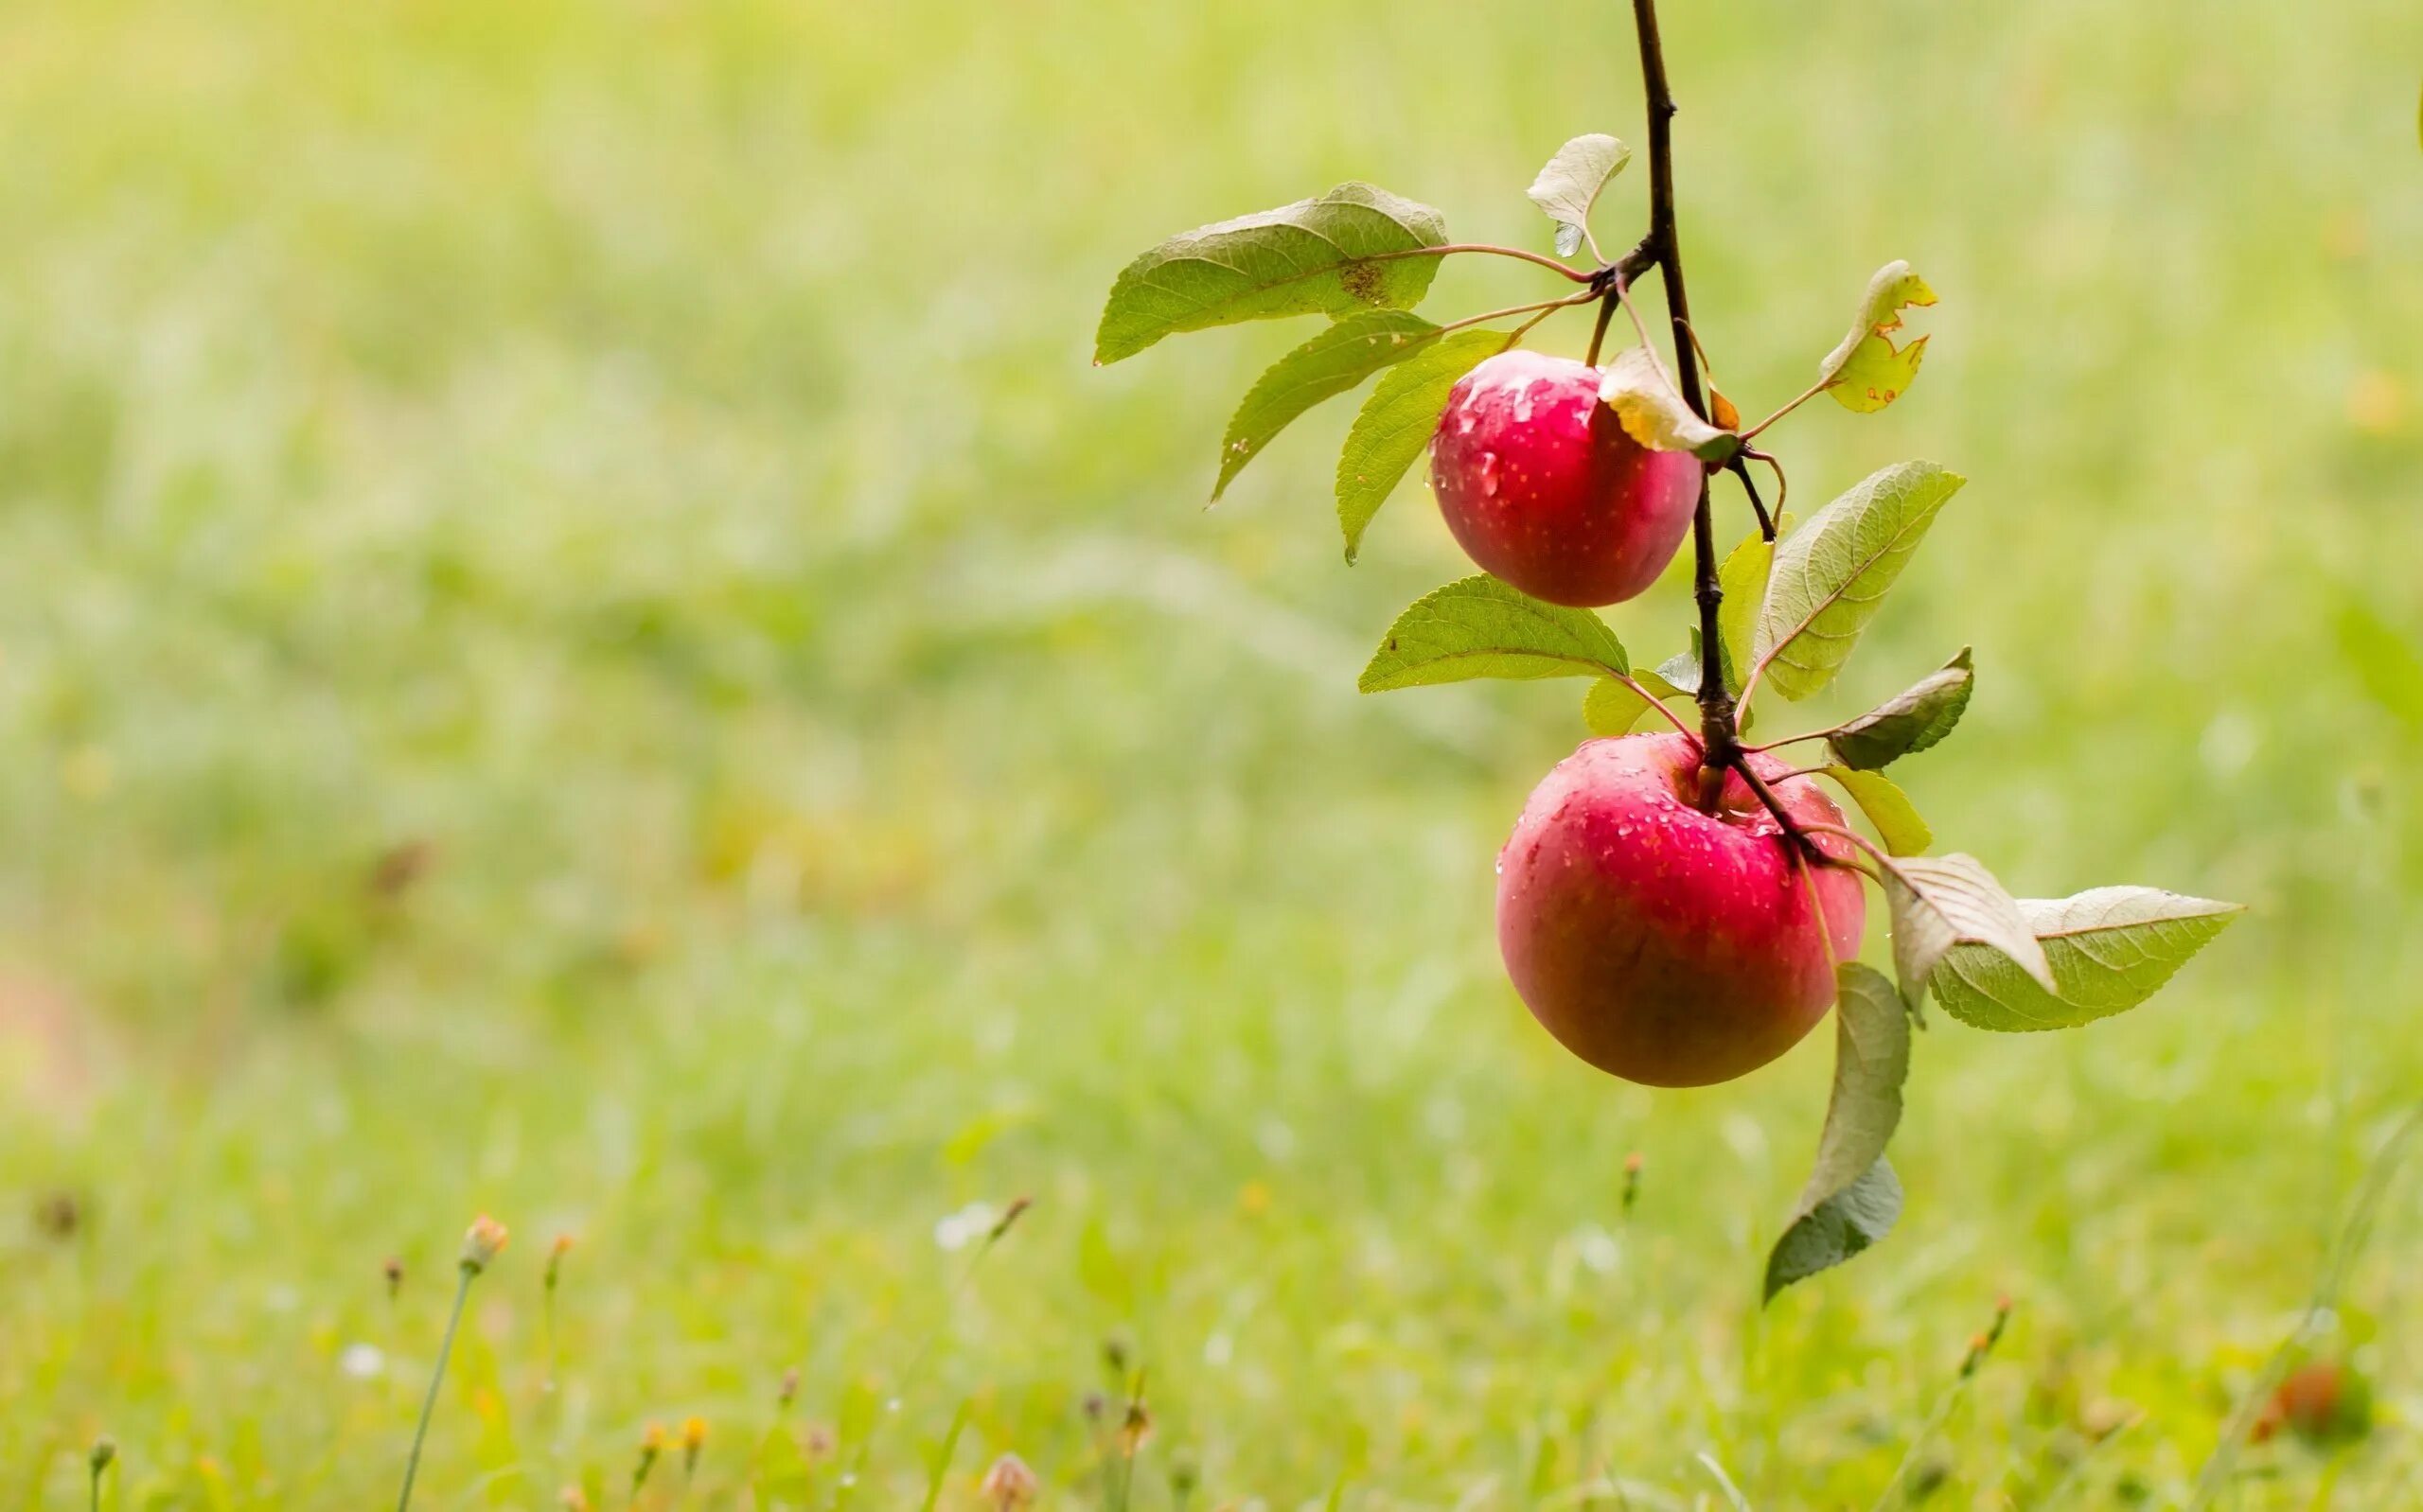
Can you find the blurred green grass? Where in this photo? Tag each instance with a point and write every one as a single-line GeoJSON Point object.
{"type": "Point", "coordinates": [633, 467]}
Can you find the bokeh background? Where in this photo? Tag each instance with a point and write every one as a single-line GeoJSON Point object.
{"type": "Point", "coordinates": [578, 640]}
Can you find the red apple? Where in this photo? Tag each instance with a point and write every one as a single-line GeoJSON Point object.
{"type": "Point", "coordinates": [1662, 944]}
{"type": "Point", "coordinates": [1542, 486]}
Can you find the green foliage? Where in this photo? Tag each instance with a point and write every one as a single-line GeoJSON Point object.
{"type": "Point", "coordinates": [1830, 574]}
{"type": "Point", "coordinates": [1637, 385]}
{"type": "Point", "coordinates": [1908, 722]}
{"type": "Point", "coordinates": [2108, 949]}
{"type": "Point", "coordinates": [1569, 184]}
{"type": "Point", "coordinates": [1396, 422]}
{"type": "Point", "coordinates": [1945, 901]}
{"type": "Point", "coordinates": [1316, 257]}
{"type": "Point", "coordinates": [1887, 807]}
{"type": "Point", "coordinates": [1350, 350]}
{"type": "Point", "coordinates": [1742, 579]}
{"type": "Point", "coordinates": [1480, 627]}
{"type": "Point", "coordinates": [1613, 707]}
{"type": "Point", "coordinates": [1866, 372]}
{"type": "Point", "coordinates": [1851, 1197]}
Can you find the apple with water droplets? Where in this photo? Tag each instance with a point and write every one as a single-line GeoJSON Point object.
{"type": "Point", "coordinates": [1667, 945]}
{"type": "Point", "coordinates": [1543, 487]}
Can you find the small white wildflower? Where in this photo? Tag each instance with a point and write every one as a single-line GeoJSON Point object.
{"type": "Point", "coordinates": [959, 1230]}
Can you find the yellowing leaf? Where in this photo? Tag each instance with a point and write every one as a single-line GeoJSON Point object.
{"type": "Point", "coordinates": [1636, 387]}
{"type": "Point", "coordinates": [1866, 372]}
{"type": "Point", "coordinates": [1887, 807]}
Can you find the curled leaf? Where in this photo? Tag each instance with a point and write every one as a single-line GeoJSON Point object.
{"type": "Point", "coordinates": [1866, 372]}
{"type": "Point", "coordinates": [2110, 949]}
{"type": "Point", "coordinates": [1636, 387]}
{"type": "Point", "coordinates": [1570, 182]}
{"type": "Point", "coordinates": [1940, 901]}
{"type": "Point", "coordinates": [1851, 1197]}
{"type": "Point", "coordinates": [1908, 722]}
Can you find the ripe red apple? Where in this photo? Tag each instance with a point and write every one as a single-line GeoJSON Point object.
{"type": "Point", "coordinates": [1542, 486]}
{"type": "Point", "coordinates": [1665, 945]}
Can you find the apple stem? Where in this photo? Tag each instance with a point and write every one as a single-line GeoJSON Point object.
{"type": "Point", "coordinates": [1719, 746]}
{"type": "Point", "coordinates": [1720, 729]}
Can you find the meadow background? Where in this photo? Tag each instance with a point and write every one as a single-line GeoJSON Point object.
{"type": "Point", "coordinates": [578, 640]}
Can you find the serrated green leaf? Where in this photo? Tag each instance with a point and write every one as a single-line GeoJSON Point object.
{"type": "Point", "coordinates": [1830, 574]}
{"type": "Point", "coordinates": [1908, 722]}
{"type": "Point", "coordinates": [1940, 901]}
{"type": "Point", "coordinates": [1397, 420]}
{"type": "Point", "coordinates": [1866, 372]}
{"type": "Point", "coordinates": [1887, 807]}
{"type": "Point", "coordinates": [2110, 949]}
{"type": "Point", "coordinates": [1871, 1061]}
{"type": "Point", "coordinates": [1349, 351]}
{"type": "Point", "coordinates": [1681, 671]}
{"type": "Point", "coordinates": [1569, 184]}
{"type": "Point", "coordinates": [1637, 387]}
{"type": "Point", "coordinates": [1844, 1226]}
{"type": "Point", "coordinates": [1612, 708]}
{"type": "Point", "coordinates": [1744, 581]}
{"type": "Point", "coordinates": [1316, 257]}
{"type": "Point", "coordinates": [1480, 627]}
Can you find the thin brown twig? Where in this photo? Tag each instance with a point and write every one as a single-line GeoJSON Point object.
{"type": "Point", "coordinates": [1491, 248]}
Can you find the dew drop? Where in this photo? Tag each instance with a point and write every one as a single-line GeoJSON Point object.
{"type": "Point", "coordinates": [1489, 475]}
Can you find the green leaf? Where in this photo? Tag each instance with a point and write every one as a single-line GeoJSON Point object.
{"type": "Point", "coordinates": [938, 1469]}
{"type": "Point", "coordinates": [1831, 573]}
{"type": "Point", "coordinates": [1744, 581]}
{"type": "Point", "coordinates": [1866, 372]}
{"type": "Point", "coordinates": [1942, 901]}
{"type": "Point", "coordinates": [1339, 358]}
{"type": "Point", "coordinates": [1887, 807]}
{"type": "Point", "coordinates": [1480, 627]}
{"type": "Point", "coordinates": [1842, 1227]}
{"type": "Point", "coordinates": [1570, 182]}
{"type": "Point", "coordinates": [1316, 257]}
{"type": "Point", "coordinates": [1681, 671]}
{"type": "Point", "coordinates": [2110, 949]}
{"type": "Point", "coordinates": [1637, 386]}
{"type": "Point", "coordinates": [1396, 423]}
{"type": "Point", "coordinates": [1612, 708]}
{"type": "Point", "coordinates": [1871, 1061]}
{"type": "Point", "coordinates": [1908, 722]}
